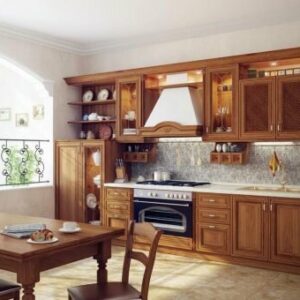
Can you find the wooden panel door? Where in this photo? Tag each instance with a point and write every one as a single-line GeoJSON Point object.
{"type": "Point", "coordinates": [213, 238]}
{"type": "Point", "coordinates": [68, 182]}
{"type": "Point", "coordinates": [285, 231]}
{"type": "Point", "coordinates": [288, 107]}
{"type": "Point", "coordinates": [250, 227]}
{"type": "Point", "coordinates": [221, 105]}
{"type": "Point", "coordinates": [257, 108]}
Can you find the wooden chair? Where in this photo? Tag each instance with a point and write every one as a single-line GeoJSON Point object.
{"type": "Point", "coordinates": [9, 290]}
{"type": "Point", "coordinates": [123, 290]}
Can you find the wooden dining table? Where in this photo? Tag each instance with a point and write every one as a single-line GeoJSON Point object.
{"type": "Point", "coordinates": [29, 260]}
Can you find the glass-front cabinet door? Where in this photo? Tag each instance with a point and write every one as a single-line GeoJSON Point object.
{"type": "Point", "coordinates": [92, 180]}
{"type": "Point", "coordinates": [221, 117]}
{"type": "Point", "coordinates": [288, 107]}
{"type": "Point", "coordinates": [129, 108]}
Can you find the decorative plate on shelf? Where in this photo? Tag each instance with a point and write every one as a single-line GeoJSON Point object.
{"type": "Point", "coordinates": [88, 96]}
{"type": "Point", "coordinates": [105, 132]}
{"type": "Point", "coordinates": [103, 94]}
{"type": "Point", "coordinates": [91, 201]}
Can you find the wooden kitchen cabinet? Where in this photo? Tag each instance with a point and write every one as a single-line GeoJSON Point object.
{"type": "Point", "coordinates": [129, 98]}
{"type": "Point", "coordinates": [269, 108]}
{"type": "Point", "coordinates": [250, 227]}
{"type": "Point", "coordinates": [257, 109]}
{"type": "Point", "coordinates": [285, 231]}
{"type": "Point", "coordinates": [221, 106]}
{"type": "Point", "coordinates": [118, 208]}
{"type": "Point", "coordinates": [213, 223]}
{"type": "Point", "coordinates": [288, 108]}
{"type": "Point", "coordinates": [68, 182]}
{"type": "Point", "coordinates": [79, 179]}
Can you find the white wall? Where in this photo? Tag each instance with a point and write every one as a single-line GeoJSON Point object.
{"type": "Point", "coordinates": [53, 65]}
{"type": "Point", "coordinates": [232, 43]}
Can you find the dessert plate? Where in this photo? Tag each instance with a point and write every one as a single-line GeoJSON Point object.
{"type": "Point", "coordinates": [55, 239]}
{"type": "Point", "coordinates": [69, 231]}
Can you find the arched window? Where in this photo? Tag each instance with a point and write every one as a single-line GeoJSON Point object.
{"type": "Point", "coordinates": [26, 128]}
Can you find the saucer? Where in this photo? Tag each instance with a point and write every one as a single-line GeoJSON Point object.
{"type": "Point", "coordinates": [69, 231]}
{"type": "Point", "coordinates": [53, 240]}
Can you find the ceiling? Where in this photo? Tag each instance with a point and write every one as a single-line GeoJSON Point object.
{"type": "Point", "coordinates": [93, 25]}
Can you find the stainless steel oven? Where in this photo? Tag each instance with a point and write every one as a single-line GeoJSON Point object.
{"type": "Point", "coordinates": [171, 212]}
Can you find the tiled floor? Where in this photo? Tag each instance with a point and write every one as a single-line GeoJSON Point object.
{"type": "Point", "coordinates": [176, 277]}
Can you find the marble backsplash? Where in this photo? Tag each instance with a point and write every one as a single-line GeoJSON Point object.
{"type": "Point", "coordinates": [190, 161]}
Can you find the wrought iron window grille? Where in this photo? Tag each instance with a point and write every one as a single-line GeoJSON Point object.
{"type": "Point", "coordinates": [22, 161]}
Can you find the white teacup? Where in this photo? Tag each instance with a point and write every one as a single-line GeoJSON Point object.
{"type": "Point", "coordinates": [69, 226]}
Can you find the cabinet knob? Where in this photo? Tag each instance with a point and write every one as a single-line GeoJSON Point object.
{"type": "Point", "coordinates": [278, 127]}
{"type": "Point", "coordinates": [207, 129]}
{"type": "Point", "coordinates": [271, 127]}
{"type": "Point", "coordinates": [264, 206]}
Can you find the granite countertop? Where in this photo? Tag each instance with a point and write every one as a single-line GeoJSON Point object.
{"type": "Point", "coordinates": [222, 188]}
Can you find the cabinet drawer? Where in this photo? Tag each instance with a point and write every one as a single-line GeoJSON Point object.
{"type": "Point", "coordinates": [211, 200]}
{"type": "Point", "coordinates": [118, 206]}
{"type": "Point", "coordinates": [213, 238]}
{"type": "Point", "coordinates": [117, 221]}
{"type": "Point", "coordinates": [213, 215]}
{"type": "Point", "coordinates": [114, 193]}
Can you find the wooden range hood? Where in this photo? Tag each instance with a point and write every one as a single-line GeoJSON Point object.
{"type": "Point", "coordinates": [178, 110]}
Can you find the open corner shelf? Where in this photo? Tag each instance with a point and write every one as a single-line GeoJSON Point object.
{"type": "Point", "coordinates": [91, 122]}
{"type": "Point", "coordinates": [103, 102]}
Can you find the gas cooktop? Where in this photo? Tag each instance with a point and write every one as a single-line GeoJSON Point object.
{"type": "Point", "coordinates": [173, 183]}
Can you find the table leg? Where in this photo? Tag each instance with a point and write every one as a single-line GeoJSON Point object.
{"type": "Point", "coordinates": [28, 292]}
{"type": "Point", "coordinates": [104, 253]}
{"type": "Point", "coordinates": [28, 275]}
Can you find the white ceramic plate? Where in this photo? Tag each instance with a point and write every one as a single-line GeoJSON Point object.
{"type": "Point", "coordinates": [103, 94]}
{"type": "Point", "coordinates": [88, 96]}
{"type": "Point", "coordinates": [69, 231]}
{"type": "Point", "coordinates": [55, 239]}
{"type": "Point", "coordinates": [91, 201]}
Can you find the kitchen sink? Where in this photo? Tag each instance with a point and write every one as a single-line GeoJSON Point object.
{"type": "Point", "coordinates": [270, 189]}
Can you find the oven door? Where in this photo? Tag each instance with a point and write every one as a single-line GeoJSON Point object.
{"type": "Point", "coordinates": [173, 217]}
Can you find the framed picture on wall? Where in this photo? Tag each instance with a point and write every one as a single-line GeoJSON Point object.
{"type": "Point", "coordinates": [5, 114]}
{"type": "Point", "coordinates": [22, 120]}
{"type": "Point", "coordinates": [38, 112]}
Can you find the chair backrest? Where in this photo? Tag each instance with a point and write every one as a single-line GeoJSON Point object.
{"type": "Point", "coordinates": [145, 230]}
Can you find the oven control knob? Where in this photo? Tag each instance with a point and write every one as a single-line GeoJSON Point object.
{"type": "Point", "coordinates": [155, 194]}
{"type": "Point", "coordinates": [177, 196]}
{"type": "Point", "coordinates": [149, 194]}
{"type": "Point", "coordinates": [166, 195]}
{"type": "Point", "coordinates": [181, 197]}
{"type": "Point", "coordinates": [173, 196]}
{"type": "Point", "coordinates": [186, 196]}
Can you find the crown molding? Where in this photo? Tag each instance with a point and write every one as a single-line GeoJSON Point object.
{"type": "Point", "coordinates": [158, 38]}
{"type": "Point", "coordinates": [41, 39]}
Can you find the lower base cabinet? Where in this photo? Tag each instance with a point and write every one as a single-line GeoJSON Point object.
{"type": "Point", "coordinates": [118, 208]}
{"type": "Point", "coordinates": [213, 238]}
{"type": "Point", "coordinates": [285, 231]}
{"type": "Point", "coordinates": [250, 227]}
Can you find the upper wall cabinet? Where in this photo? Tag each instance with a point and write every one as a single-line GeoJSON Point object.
{"type": "Point", "coordinates": [221, 107]}
{"type": "Point", "coordinates": [128, 108]}
{"type": "Point", "coordinates": [257, 109]}
{"type": "Point", "coordinates": [288, 108]}
{"type": "Point", "coordinates": [270, 102]}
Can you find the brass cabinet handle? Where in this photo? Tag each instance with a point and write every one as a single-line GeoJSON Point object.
{"type": "Point", "coordinates": [264, 206]}
{"type": "Point", "coordinates": [211, 226]}
{"type": "Point", "coordinates": [211, 200]}
{"type": "Point", "coordinates": [212, 216]}
{"type": "Point", "coordinates": [271, 127]}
